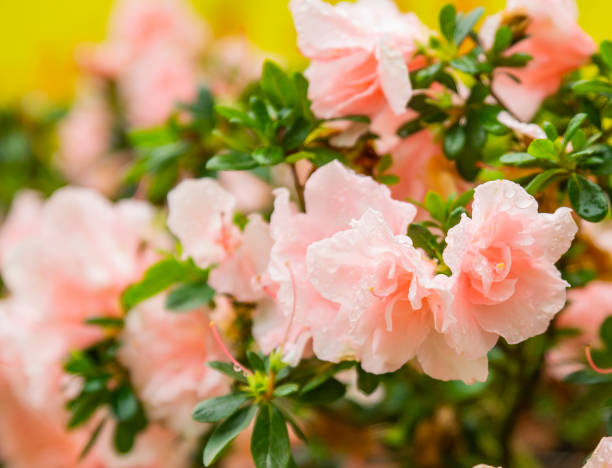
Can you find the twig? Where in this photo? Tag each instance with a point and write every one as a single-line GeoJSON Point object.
{"type": "Point", "coordinates": [299, 188]}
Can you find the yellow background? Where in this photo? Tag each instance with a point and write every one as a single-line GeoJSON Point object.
{"type": "Point", "coordinates": [38, 37]}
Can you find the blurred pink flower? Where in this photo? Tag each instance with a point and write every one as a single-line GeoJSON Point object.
{"type": "Point", "coordinates": [360, 55]}
{"type": "Point", "coordinates": [587, 310]}
{"type": "Point", "coordinates": [166, 354]}
{"type": "Point", "coordinates": [503, 264]}
{"type": "Point", "coordinates": [85, 252]}
{"type": "Point", "coordinates": [155, 83]}
{"type": "Point", "coordinates": [22, 221]}
{"type": "Point", "coordinates": [556, 43]}
{"type": "Point", "coordinates": [139, 25]}
{"type": "Point", "coordinates": [334, 197]}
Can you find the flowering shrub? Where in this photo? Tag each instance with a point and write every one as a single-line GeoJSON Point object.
{"type": "Point", "coordinates": [367, 264]}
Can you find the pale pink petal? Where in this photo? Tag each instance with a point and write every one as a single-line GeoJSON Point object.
{"type": "Point", "coordinates": [324, 31]}
{"type": "Point", "coordinates": [200, 214]}
{"type": "Point", "coordinates": [602, 456]}
{"type": "Point", "coordinates": [442, 362]}
{"type": "Point", "coordinates": [394, 78]}
{"type": "Point", "coordinates": [336, 195]}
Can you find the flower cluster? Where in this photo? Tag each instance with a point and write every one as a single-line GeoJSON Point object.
{"type": "Point", "coordinates": [372, 257]}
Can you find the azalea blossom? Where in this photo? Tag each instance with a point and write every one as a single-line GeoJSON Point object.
{"type": "Point", "coordinates": [201, 215]}
{"type": "Point", "coordinates": [503, 264]}
{"type": "Point", "coordinates": [360, 53]}
{"type": "Point", "coordinates": [170, 376]}
{"type": "Point", "coordinates": [155, 84]}
{"type": "Point", "coordinates": [334, 197]}
{"type": "Point", "coordinates": [22, 221]}
{"type": "Point", "coordinates": [137, 26]}
{"type": "Point", "coordinates": [554, 40]}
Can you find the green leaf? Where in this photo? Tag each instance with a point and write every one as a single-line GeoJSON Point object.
{"type": "Point", "coordinates": [454, 217]}
{"type": "Point", "coordinates": [296, 134]}
{"type": "Point", "coordinates": [551, 131]}
{"type": "Point", "coordinates": [215, 409]}
{"type": "Point", "coordinates": [324, 376]}
{"type": "Point", "coordinates": [592, 86]}
{"type": "Point", "coordinates": [270, 439]}
{"type": "Point", "coordinates": [366, 382]}
{"type": "Point", "coordinates": [351, 118]}
{"type": "Point", "coordinates": [226, 432]}
{"type": "Point", "coordinates": [236, 116]}
{"type": "Point", "coordinates": [92, 439]}
{"type": "Point", "coordinates": [588, 198]}
{"type": "Point", "coordinates": [277, 86]}
{"type": "Point", "coordinates": [388, 179]}
{"type": "Point", "coordinates": [158, 278]}
{"type": "Point", "coordinates": [124, 437]}
{"type": "Point", "coordinates": [83, 407]}
{"type": "Point", "coordinates": [189, 296]}
{"type": "Point", "coordinates": [124, 403]}
{"type": "Point", "coordinates": [269, 156]}
{"type": "Point", "coordinates": [503, 37]}
{"type": "Point", "coordinates": [232, 161]}
{"type": "Point", "coordinates": [515, 60]}
{"type": "Point", "coordinates": [424, 77]}
{"type": "Point", "coordinates": [422, 238]}
{"type": "Point", "coordinates": [410, 128]}
{"type": "Point", "coordinates": [572, 128]}
{"type": "Point", "coordinates": [463, 199]}
{"type": "Point", "coordinates": [606, 52]}
{"type": "Point", "coordinates": [328, 392]}
{"type": "Point", "coordinates": [322, 156]}
{"type": "Point", "coordinates": [466, 64]}
{"type": "Point", "coordinates": [256, 361]}
{"type": "Point", "coordinates": [465, 24]}
{"type": "Point", "coordinates": [435, 205]}
{"type": "Point", "coordinates": [544, 179]}
{"type": "Point", "coordinates": [454, 141]}
{"type": "Point", "coordinates": [606, 333]}
{"type": "Point", "coordinates": [105, 322]}
{"type": "Point", "coordinates": [447, 21]}
{"type": "Point", "coordinates": [286, 389]}
{"type": "Point", "coordinates": [227, 369]}
{"type": "Point", "coordinates": [518, 159]}
{"type": "Point", "coordinates": [385, 163]}
{"type": "Point", "coordinates": [543, 148]}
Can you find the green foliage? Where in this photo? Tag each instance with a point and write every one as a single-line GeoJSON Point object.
{"type": "Point", "coordinates": [192, 292]}
{"type": "Point", "coordinates": [105, 384]}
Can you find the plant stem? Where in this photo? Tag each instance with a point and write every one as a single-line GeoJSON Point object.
{"type": "Point", "coordinates": [299, 188]}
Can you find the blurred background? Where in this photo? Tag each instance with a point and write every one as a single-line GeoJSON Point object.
{"type": "Point", "coordinates": [39, 37]}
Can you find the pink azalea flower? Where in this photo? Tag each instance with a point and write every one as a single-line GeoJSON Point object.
{"type": "Point", "coordinates": [154, 84]}
{"type": "Point", "coordinates": [383, 294]}
{"type": "Point", "coordinates": [22, 221]}
{"type": "Point", "coordinates": [360, 54]}
{"type": "Point", "coordinates": [201, 214]}
{"type": "Point", "coordinates": [602, 456]}
{"type": "Point", "coordinates": [503, 265]}
{"type": "Point", "coordinates": [138, 25]}
{"type": "Point", "coordinates": [165, 353]}
{"type": "Point", "coordinates": [556, 43]}
{"type": "Point", "coordinates": [587, 310]}
{"type": "Point", "coordinates": [334, 197]}
{"type": "Point", "coordinates": [84, 254]}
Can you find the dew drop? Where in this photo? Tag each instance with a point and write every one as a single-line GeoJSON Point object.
{"type": "Point", "coordinates": [237, 368]}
